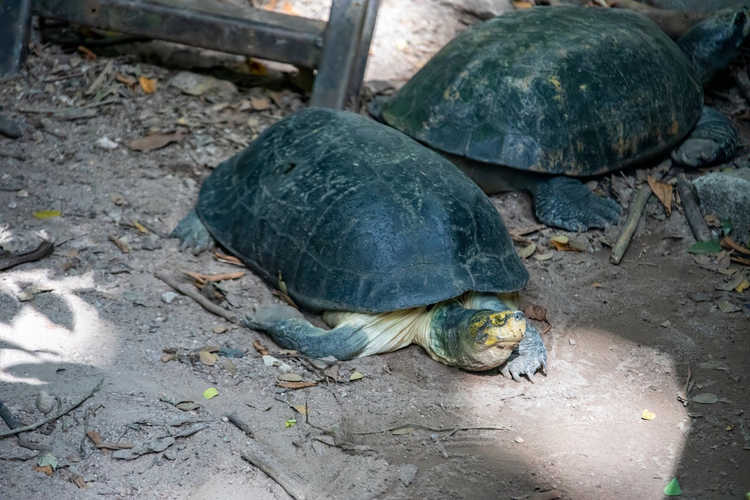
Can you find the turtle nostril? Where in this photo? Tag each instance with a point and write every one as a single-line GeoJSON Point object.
{"type": "Point", "coordinates": [518, 316]}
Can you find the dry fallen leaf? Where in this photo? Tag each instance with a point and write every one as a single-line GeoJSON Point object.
{"type": "Point", "coordinates": [663, 192]}
{"type": "Point", "coordinates": [157, 140]}
{"type": "Point", "coordinates": [147, 84]}
{"type": "Point", "coordinates": [46, 214]}
{"type": "Point", "coordinates": [290, 377]}
{"type": "Point", "coordinates": [260, 103]}
{"type": "Point", "coordinates": [544, 256]}
{"type": "Point", "coordinates": [261, 350]}
{"type": "Point", "coordinates": [535, 312]}
{"type": "Point", "coordinates": [207, 358]}
{"type": "Point", "coordinates": [47, 469]}
{"type": "Point", "coordinates": [742, 286]}
{"type": "Point", "coordinates": [597, 285]}
{"type": "Point", "coordinates": [527, 251]}
{"type": "Point", "coordinates": [355, 376]}
{"type": "Point", "coordinates": [129, 82]}
{"type": "Point", "coordinates": [302, 409]}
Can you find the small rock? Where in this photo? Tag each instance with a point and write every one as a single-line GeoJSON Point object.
{"type": "Point", "coordinates": [518, 439]}
{"type": "Point", "coordinates": [22, 194]}
{"type": "Point", "coordinates": [270, 361]}
{"type": "Point", "coordinates": [572, 341]}
{"type": "Point", "coordinates": [285, 368]}
{"type": "Point", "coordinates": [12, 204]}
{"type": "Point", "coordinates": [728, 195]}
{"type": "Point", "coordinates": [408, 473]}
{"type": "Point", "coordinates": [10, 127]}
{"type": "Point", "coordinates": [195, 85]}
{"type": "Point", "coordinates": [170, 454]}
{"type": "Point", "coordinates": [168, 297]}
{"type": "Point", "coordinates": [220, 329]}
{"type": "Point", "coordinates": [319, 448]}
{"type": "Point", "coordinates": [666, 324]}
{"type": "Point", "coordinates": [44, 402]}
{"type": "Point", "coordinates": [107, 143]}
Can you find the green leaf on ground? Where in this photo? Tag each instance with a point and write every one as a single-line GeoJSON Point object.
{"type": "Point", "coordinates": [706, 247]}
{"type": "Point", "coordinates": [672, 489]}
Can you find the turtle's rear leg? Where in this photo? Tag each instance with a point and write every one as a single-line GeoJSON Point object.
{"type": "Point", "coordinates": [290, 330]}
{"type": "Point", "coordinates": [193, 233]}
{"type": "Point", "coordinates": [566, 203]}
{"type": "Point", "coordinates": [713, 140]}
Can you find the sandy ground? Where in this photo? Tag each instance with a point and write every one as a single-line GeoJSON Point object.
{"type": "Point", "coordinates": [622, 338]}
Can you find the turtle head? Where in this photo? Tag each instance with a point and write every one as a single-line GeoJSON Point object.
{"type": "Point", "coordinates": [497, 330]}
{"type": "Point", "coordinates": [713, 43]}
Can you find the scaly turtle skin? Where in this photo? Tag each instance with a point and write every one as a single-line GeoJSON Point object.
{"type": "Point", "coordinates": [696, 5]}
{"type": "Point", "coordinates": [572, 91]}
{"type": "Point", "coordinates": [392, 243]}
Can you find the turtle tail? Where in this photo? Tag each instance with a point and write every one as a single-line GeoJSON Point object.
{"type": "Point", "coordinates": [291, 331]}
{"type": "Point", "coordinates": [375, 106]}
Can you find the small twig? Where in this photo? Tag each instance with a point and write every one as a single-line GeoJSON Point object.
{"type": "Point", "coordinates": [190, 291]}
{"type": "Point", "coordinates": [240, 425]}
{"type": "Point", "coordinates": [451, 430]}
{"type": "Point", "coordinates": [122, 246]}
{"type": "Point", "coordinates": [636, 210]}
{"type": "Point", "coordinates": [640, 263]}
{"type": "Point", "coordinates": [67, 110]}
{"type": "Point", "coordinates": [260, 459]}
{"type": "Point", "coordinates": [4, 153]}
{"type": "Point", "coordinates": [692, 211]}
{"type": "Point", "coordinates": [59, 414]}
{"type": "Point", "coordinates": [45, 249]}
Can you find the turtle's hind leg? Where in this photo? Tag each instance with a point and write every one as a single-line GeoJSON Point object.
{"type": "Point", "coordinates": [193, 233]}
{"type": "Point", "coordinates": [566, 203]}
{"type": "Point", "coordinates": [713, 140]}
{"type": "Point", "coordinates": [290, 330]}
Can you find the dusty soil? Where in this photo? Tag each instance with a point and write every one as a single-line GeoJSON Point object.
{"type": "Point", "coordinates": [575, 434]}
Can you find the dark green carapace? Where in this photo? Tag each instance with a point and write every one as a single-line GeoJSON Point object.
{"type": "Point", "coordinates": [356, 216]}
{"type": "Point", "coordinates": [561, 90]}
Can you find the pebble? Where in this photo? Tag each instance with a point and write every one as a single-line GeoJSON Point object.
{"type": "Point", "coordinates": [518, 439]}
{"type": "Point", "coordinates": [408, 473]}
{"type": "Point", "coordinates": [106, 143]}
{"type": "Point", "coordinates": [44, 402]}
{"type": "Point", "coordinates": [168, 297]}
{"type": "Point", "coordinates": [572, 341]}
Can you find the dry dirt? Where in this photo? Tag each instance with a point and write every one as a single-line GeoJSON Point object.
{"type": "Point", "coordinates": [575, 434]}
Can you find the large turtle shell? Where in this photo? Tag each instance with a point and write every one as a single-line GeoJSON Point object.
{"type": "Point", "coordinates": [356, 216]}
{"type": "Point", "coordinates": [560, 90]}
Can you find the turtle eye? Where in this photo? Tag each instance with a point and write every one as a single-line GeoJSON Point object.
{"type": "Point", "coordinates": [739, 18]}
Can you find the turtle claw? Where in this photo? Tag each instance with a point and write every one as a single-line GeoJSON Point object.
{"type": "Point", "coordinates": [568, 204]}
{"type": "Point", "coordinates": [193, 233]}
{"type": "Point", "coordinates": [531, 356]}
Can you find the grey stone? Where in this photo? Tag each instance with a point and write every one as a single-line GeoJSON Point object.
{"type": "Point", "coordinates": [407, 473]}
{"type": "Point", "coordinates": [728, 195]}
{"type": "Point", "coordinates": [44, 402]}
{"type": "Point", "coordinates": [168, 297]}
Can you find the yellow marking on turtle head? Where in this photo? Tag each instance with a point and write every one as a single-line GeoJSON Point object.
{"type": "Point", "coordinates": [504, 326]}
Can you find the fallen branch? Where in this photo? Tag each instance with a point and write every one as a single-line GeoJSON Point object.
{"type": "Point", "coordinates": [189, 290]}
{"type": "Point", "coordinates": [268, 465]}
{"type": "Point", "coordinates": [631, 223]}
{"type": "Point", "coordinates": [728, 242]}
{"type": "Point", "coordinates": [692, 211]}
{"type": "Point", "coordinates": [55, 416]}
{"type": "Point", "coordinates": [212, 277]}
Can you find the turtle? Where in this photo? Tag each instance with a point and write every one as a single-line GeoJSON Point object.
{"type": "Point", "coordinates": [557, 93]}
{"type": "Point", "coordinates": [388, 240]}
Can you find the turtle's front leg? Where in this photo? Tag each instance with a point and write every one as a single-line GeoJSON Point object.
{"type": "Point", "coordinates": [193, 233]}
{"type": "Point", "coordinates": [568, 204]}
{"type": "Point", "coordinates": [529, 356]}
{"type": "Point", "coordinates": [290, 330]}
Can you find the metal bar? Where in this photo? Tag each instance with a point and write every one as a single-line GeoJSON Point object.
{"type": "Point", "coordinates": [342, 40]}
{"type": "Point", "coordinates": [15, 24]}
{"type": "Point", "coordinates": [360, 65]}
{"type": "Point", "coordinates": [258, 33]}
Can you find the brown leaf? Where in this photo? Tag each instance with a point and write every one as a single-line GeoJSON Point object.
{"type": "Point", "coordinates": [130, 82]}
{"type": "Point", "coordinates": [207, 358]}
{"type": "Point", "coordinates": [295, 385]}
{"type": "Point", "coordinates": [741, 260]}
{"type": "Point", "coordinates": [260, 103]}
{"type": "Point", "coordinates": [229, 366]}
{"type": "Point", "coordinates": [147, 84]}
{"type": "Point", "coordinates": [229, 259]}
{"type": "Point", "coordinates": [47, 469]}
{"type": "Point", "coordinates": [728, 242]}
{"type": "Point", "coordinates": [261, 350]}
{"type": "Point", "coordinates": [96, 438]}
{"type": "Point", "coordinates": [535, 312]}
{"type": "Point", "coordinates": [157, 140]}
{"type": "Point", "coordinates": [662, 191]}
{"type": "Point", "coordinates": [86, 52]}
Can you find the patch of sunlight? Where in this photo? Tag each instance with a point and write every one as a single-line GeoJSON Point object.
{"type": "Point", "coordinates": [30, 338]}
